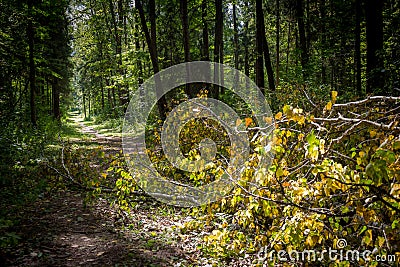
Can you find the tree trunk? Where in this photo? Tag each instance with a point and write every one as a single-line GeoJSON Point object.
{"type": "Point", "coordinates": [102, 93]}
{"type": "Point", "coordinates": [357, 50]}
{"type": "Point", "coordinates": [259, 46]}
{"type": "Point", "coordinates": [84, 102]}
{"type": "Point", "coordinates": [288, 46]}
{"type": "Point", "coordinates": [375, 77]}
{"type": "Point", "coordinates": [206, 49]}
{"type": "Point", "coordinates": [151, 43]}
{"type": "Point", "coordinates": [56, 99]}
{"type": "Point", "coordinates": [246, 44]}
{"type": "Point", "coordinates": [139, 60]}
{"type": "Point", "coordinates": [123, 92]}
{"type": "Point", "coordinates": [235, 43]}
{"type": "Point", "coordinates": [206, 42]}
{"type": "Point", "coordinates": [32, 70]}
{"type": "Point", "coordinates": [267, 57]}
{"type": "Point", "coordinates": [302, 35]}
{"type": "Point", "coordinates": [186, 44]}
{"type": "Point", "coordinates": [278, 24]}
{"type": "Point", "coordinates": [323, 39]}
{"type": "Point", "coordinates": [218, 46]}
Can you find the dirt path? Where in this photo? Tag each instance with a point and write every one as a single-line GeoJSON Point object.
{"type": "Point", "coordinates": [59, 230]}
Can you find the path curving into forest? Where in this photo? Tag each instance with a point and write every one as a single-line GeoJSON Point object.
{"type": "Point", "coordinates": [59, 229]}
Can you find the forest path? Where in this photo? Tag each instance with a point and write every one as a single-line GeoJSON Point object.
{"type": "Point", "coordinates": [59, 229]}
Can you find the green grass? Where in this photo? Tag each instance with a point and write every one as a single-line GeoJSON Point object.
{"type": "Point", "coordinates": [110, 127]}
{"type": "Point", "coordinates": [70, 129]}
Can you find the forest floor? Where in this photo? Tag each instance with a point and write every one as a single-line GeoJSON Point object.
{"type": "Point", "coordinates": [59, 229]}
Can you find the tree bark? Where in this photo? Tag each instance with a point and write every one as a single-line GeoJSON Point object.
{"type": "Point", "coordinates": [186, 44]}
{"type": "Point", "coordinates": [218, 46]}
{"type": "Point", "coordinates": [357, 50]}
{"type": "Point", "coordinates": [32, 69]}
{"type": "Point", "coordinates": [267, 57]}
{"type": "Point", "coordinates": [302, 35]}
{"type": "Point", "coordinates": [246, 43]}
{"type": "Point", "coordinates": [262, 51]}
{"type": "Point", "coordinates": [278, 24]}
{"type": "Point", "coordinates": [374, 26]}
{"type": "Point", "coordinates": [259, 46]}
{"type": "Point", "coordinates": [288, 46]}
{"type": "Point", "coordinates": [268, 64]}
{"type": "Point", "coordinates": [56, 99]}
{"type": "Point", "coordinates": [151, 43]}
{"type": "Point", "coordinates": [235, 37]}
{"type": "Point", "coordinates": [206, 49]}
{"type": "Point", "coordinates": [323, 39]}
{"type": "Point", "coordinates": [123, 92]}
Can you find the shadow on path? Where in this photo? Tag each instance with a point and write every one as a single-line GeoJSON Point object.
{"type": "Point", "coordinates": [61, 231]}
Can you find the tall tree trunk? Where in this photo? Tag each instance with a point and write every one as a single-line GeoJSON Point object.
{"type": "Point", "coordinates": [235, 42]}
{"type": "Point", "coordinates": [278, 24]}
{"type": "Point", "coordinates": [123, 92]}
{"type": "Point", "coordinates": [151, 43]}
{"type": "Point", "coordinates": [235, 37]}
{"type": "Point", "coordinates": [185, 29]}
{"type": "Point", "coordinates": [32, 69]}
{"type": "Point", "coordinates": [102, 92]}
{"type": "Point", "coordinates": [89, 112]}
{"type": "Point", "coordinates": [375, 77]}
{"type": "Point", "coordinates": [139, 60]}
{"type": "Point", "coordinates": [302, 35]}
{"type": "Point", "coordinates": [84, 102]}
{"type": "Point", "coordinates": [186, 44]}
{"type": "Point", "coordinates": [109, 93]}
{"type": "Point", "coordinates": [262, 51]}
{"type": "Point", "coordinates": [357, 50]}
{"type": "Point", "coordinates": [246, 44]}
{"type": "Point", "coordinates": [218, 46]}
{"type": "Point", "coordinates": [268, 64]}
{"type": "Point", "coordinates": [206, 43]}
{"type": "Point", "coordinates": [56, 99]}
{"type": "Point", "coordinates": [259, 46]}
{"type": "Point", "coordinates": [117, 24]}
{"type": "Point", "coordinates": [288, 46]}
{"type": "Point", "coordinates": [267, 57]}
{"type": "Point", "coordinates": [323, 26]}
{"type": "Point", "coordinates": [206, 49]}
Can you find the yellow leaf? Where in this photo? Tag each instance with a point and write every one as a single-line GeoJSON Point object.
{"type": "Point", "coordinates": [381, 241]}
{"type": "Point", "coordinates": [278, 116]}
{"type": "Point", "coordinates": [368, 237]}
{"type": "Point", "coordinates": [248, 121]}
{"type": "Point", "coordinates": [238, 122]}
{"type": "Point", "coordinates": [372, 134]}
{"type": "Point", "coordinates": [104, 175]}
{"type": "Point", "coordinates": [268, 120]}
{"type": "Point", "coordinates": [287, 109]}
{"type": "Point", "coordinates": [329, 106]}
{"type": "Point", "coordinates": [301, 119]}
{"type": "Point", "coordinates": [334, 95]}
